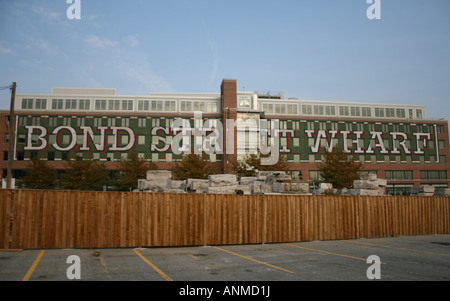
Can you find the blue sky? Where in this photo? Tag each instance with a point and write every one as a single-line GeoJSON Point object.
{"type": "Point", "coordinates": [309, 49]}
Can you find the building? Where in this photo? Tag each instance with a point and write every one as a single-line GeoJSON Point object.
{"type": "Point", "coordinates": [397, 142]}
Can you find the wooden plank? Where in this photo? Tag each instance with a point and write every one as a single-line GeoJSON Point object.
{"type": "Point", "coordinates": [72, 219]}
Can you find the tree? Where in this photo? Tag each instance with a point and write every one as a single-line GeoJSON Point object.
{"type": "Point", "coordinates": [39, 175]}
{"type": "Point", "coordinates": [84, 174]}
{"type": "Point", "coordinates": [131, 170]}
{"type": "Point", "coordinates": [193, 166]}
{"type": "Point", "coordinates": [339, 169]}
{"type": "Point", "coordinates": [251, 164]}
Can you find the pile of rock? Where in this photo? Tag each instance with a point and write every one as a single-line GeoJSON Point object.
{"type": "Point", "coordinates": [369, 185]}
{"type": "Point", "coordinates": [442, 192]}
{"type": "Point", "coordinates": [424, 190]}
{"type": "Point", "coordinates": [196, 185]}
{"type": "Point", "coordinates": [277, 182]}
{"type": "Point", "coordinates": [226, 184]}
{"type": "Point", "coordinates": [267, 182]}
{"type": "Point", "coordinates": [325, 188]}
{"type": "Point", "coordinates": [161, 181]}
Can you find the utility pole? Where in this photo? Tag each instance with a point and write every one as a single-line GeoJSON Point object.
{"type": "Point", "coordinates": [12, 135]}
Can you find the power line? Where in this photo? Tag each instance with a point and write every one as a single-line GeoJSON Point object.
{"type": "Point", "coordinates": [5, 87]}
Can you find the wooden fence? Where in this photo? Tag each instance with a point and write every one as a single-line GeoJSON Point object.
{"type": "Point", "coordinates": [75, 219]}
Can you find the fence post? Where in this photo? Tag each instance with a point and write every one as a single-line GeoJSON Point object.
{"type": "Point", "coordinates": [264, 219]}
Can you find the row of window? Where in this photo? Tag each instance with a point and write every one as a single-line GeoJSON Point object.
{"type": "Point", "coordinates": [109, 157]}
{"type": "Point", "coordinates": [122, 105]}
{"type": "Point", "coordinates": [399, 175]}
{"type": "Point", "coordinates": [282, 124]}
{"type": "Point", "coordinates": [340, 110]}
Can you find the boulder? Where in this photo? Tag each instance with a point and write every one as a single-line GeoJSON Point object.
{"type": "Point", "coordinates": [196, 185]}
{"type": "Point", "coordinates": [159, 175]}
{"type": "Point", "coordinates": [221, 189]}
{"type": "Point", "coordinates": [291, 187]}
{"type": "Point", "coordinates": [248, 180]}
{"type": "Point", "coordinates": [222, 180]}
{"type": "Point", "coordinates": [363, 184]}
{"type": "Point", "coordinates": [266, 188]}
{"type": "Point", "coordinates": [174, 184]}
{"type": "Point", "coordinates": [155, 186]}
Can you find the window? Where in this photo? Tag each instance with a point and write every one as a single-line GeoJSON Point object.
{"type": "Point", "coordinates": [142, 122]}
{"type": "Point", "coordinates": [268, 108]}
{"type": "Point", "coordinates": [366, 112]}
{"type": "Point", "coordinates": [114, 105]}
{"type": "Point", "coordinates": [186, 106]}
{"type": "Point", "coordinates": [100, 105]}
{"type": "Point", "coordinates": [318, 110]}
{"type": "Point", "coordinates": [315, 175]}
{"type": "Point", "coordinates": [127, 105]}
{"type": "Point", "coordinates": [280, 109]}
{"type": "Point", "coordinates": [440, 129]}
{"type": "Point", "coordinates": [27, 104]}
{"type": "Point", "coordinates": [390, 112]}
{"type": "Point", "coordinates": [330, 110]}
{"type": "Point", "coordinates": [111, 122]}
{"type": "Point", "coordinates": [419, 114]}
{"type": "Point", "coordinates": [157, 105]}
{"type": "Point", "coordinates": [211, 107]}
{"type": "Point", "coordinates": [71, 104]}
{"type": "Point", "coordinates": [170, 106]}
{"type": "Point", "coordinates": [399, 175]}
{"type": "Point", "coordinates": [433, 175]}
{"type": "Point", "coordinates": [401, 113]}
{"type": "Point", "coordinates": [126, 122]}
{"type": "Point", "coordinates": [292, 109]}
{"type": "Point", "coordinates": [199, 106]}
{"type": "Point", "coordinates": [399, 189]}
{"type": "Point", "coordinates": [143, 105]}
{"type": "Point", "coordinates": [57, 104]}
{"type": "Point", "coordinates": [355, 111]}
{"type": "Point", "coordinates": [379, 112]}
{"type": "Point", "coordinates": [306, 109]}
{"type": "Point", "coordinates": [35, 121]}
{"type": "Point", "coordinates": [41, 104]}
{"type": "Point", "coordinates": [344, 111]}
{"type": "Point", "coordinates": [85, 104]}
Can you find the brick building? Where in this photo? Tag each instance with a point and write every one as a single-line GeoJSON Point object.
{"type": "Point", "coordinates": [397, 142]}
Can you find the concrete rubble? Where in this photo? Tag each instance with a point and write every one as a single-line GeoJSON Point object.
{"type": "Point", "coordinates": [325, 188]}
{"type": "Point", "coordinates": [161, 181]}
{"type": "Point", "coordinates": [369, 185]}
{"type": "Point", "coordinates": [442, 192]}
{"type": "Point", "coordinates": [196, 185]}
{"type": "Point", "coordinates": [267, 182]}
{"type": "Point", "coordinates": [424, 190]}
{"type": "Point", "coordinates": [270, 182]}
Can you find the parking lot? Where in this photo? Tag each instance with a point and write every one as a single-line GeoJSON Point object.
{"type": "Point", "coordinates": [415, 258]}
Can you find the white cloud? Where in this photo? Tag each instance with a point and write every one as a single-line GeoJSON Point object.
{"type": "Point", "coordinates": [143, 77]}
{"type": "Point", "coordinates": [4, 49]}
{"type": "Point", "coordinates": [131, 41]}
{"type": "Point", "coordinates": [98, 42]}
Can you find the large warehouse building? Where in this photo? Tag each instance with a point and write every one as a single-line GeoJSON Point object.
{"type": "Point", "coordinates": [397, 142]}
